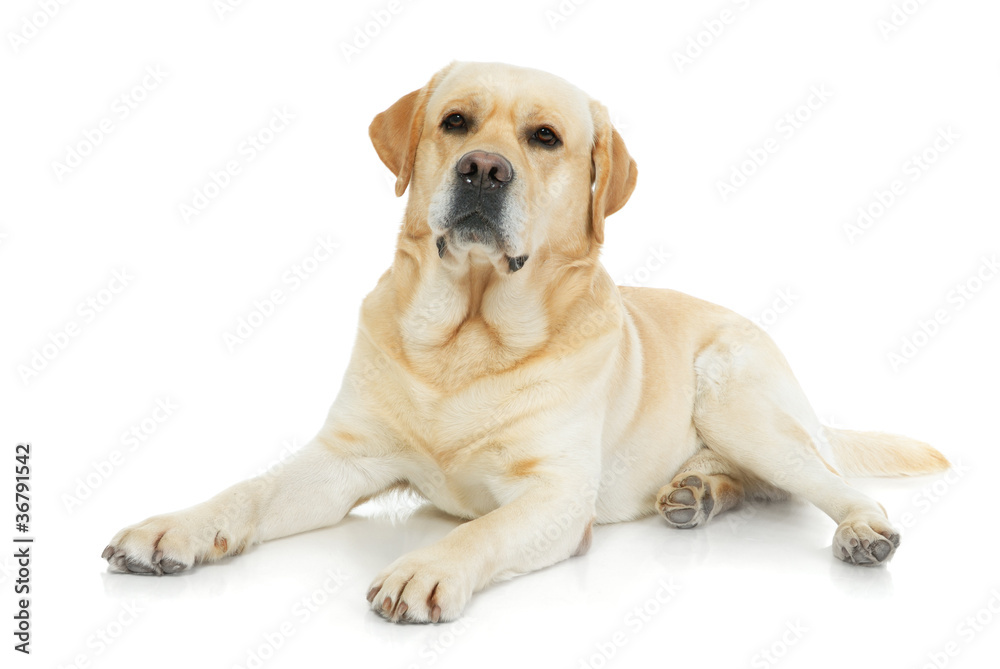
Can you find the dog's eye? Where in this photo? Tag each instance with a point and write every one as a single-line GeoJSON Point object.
{"type": "Point", "coordinates": [546, 136]}
{"type": "Point", "coordinates": [453, 122]}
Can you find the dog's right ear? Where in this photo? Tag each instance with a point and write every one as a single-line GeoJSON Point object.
{"type": "Point", "coordinates": [396, 131]}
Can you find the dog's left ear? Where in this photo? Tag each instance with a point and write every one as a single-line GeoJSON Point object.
{"type": "Point", "coordinates": [614, 171]}
{"type": "Point", "coordinates": [396, 131]}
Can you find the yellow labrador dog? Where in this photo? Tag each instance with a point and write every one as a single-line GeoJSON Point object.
{"type": "Point", "coordinates": [500, 373]}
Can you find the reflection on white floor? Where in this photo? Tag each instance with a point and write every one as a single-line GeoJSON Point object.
{"type": "Point", "coordinates": [756, 588]}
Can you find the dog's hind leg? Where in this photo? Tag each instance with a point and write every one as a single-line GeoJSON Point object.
{"type": "Point", "coordinates": [707, 485]}
{"type": "Point", "coordinates": [751, 411]}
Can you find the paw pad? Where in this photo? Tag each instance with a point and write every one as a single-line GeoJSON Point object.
{"type": "Point", "coordinates": [687, 502]}
{"type": "Point", "coordinates": [857, 542]}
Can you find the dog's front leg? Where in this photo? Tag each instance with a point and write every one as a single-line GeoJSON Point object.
{"type": "Point", "coordinates": [549, 521]}
{"type": "Point", "coordinates": [315, 488]}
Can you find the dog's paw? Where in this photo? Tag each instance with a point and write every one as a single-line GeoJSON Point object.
{"type": "Point", "coordinates": [687, 501]}
{"type": "Point", "coordinates": [421, 587]}
{"type": "Point", "coordinates": [165, 545]}
{"type": "Point", "coordinates": [868, 541]}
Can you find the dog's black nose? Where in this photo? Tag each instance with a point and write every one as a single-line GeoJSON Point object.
{"type": "Point", "coordinates": [484, 170]}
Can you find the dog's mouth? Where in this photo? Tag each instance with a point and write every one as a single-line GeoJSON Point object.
{"type": "Point", "coordinates": [514, 263]}
{"type": "Point", "coordinates": [476, 227]}
{"type": "Point", "coordinates": [467, 225]}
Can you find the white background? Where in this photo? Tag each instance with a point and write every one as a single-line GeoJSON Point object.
{"type": "Point", "coordinates": [742, 584]}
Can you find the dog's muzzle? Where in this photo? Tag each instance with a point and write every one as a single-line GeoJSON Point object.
{"type": "Point", "coordinates": [476, 214]}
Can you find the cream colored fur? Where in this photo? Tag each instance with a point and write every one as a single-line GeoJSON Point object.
{"type": "Point", "coordinates": [534, 402]}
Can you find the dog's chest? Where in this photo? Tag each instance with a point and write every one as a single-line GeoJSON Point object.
{"type": "Point", "coordinates": [457, 427]}
{"type": "Point", "coordinates": [465, 448]}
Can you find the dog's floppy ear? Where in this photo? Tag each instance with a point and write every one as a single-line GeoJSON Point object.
{"type": "Point", "coordinates": [396, 131]}
{"type": "Point", "coordinates": [614, 171]}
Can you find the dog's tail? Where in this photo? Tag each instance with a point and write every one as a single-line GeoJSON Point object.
{"type": "Point", "coordinates": [881, 454]}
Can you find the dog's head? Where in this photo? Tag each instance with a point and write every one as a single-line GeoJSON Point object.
{"type": "Point", "coordinates": [503, 162]}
